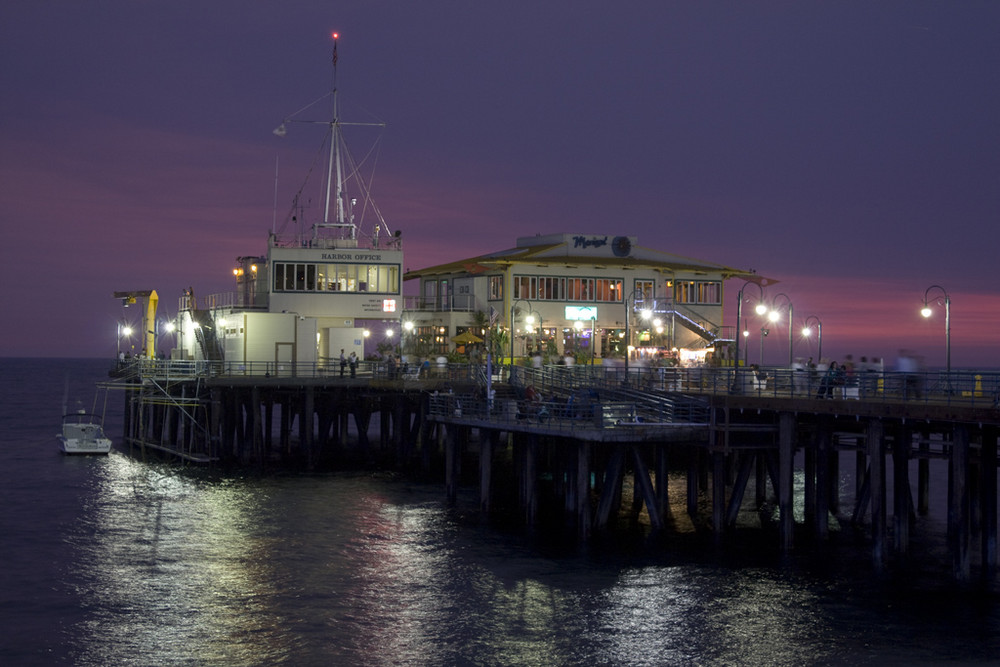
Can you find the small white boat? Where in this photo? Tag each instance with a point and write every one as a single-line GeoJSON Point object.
{"type": "Point", "coordinates": [82, 433]}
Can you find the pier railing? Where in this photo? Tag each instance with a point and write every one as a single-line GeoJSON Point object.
{"type": "Point", "coordinates": [966, 387]}
{"type": "Point", "coordinates": [172, 369]}
{"type": "Point", "coordinates": [564, 415]}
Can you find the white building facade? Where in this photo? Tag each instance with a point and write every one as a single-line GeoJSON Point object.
{"type": "Point", "coordinates": [576, 294]}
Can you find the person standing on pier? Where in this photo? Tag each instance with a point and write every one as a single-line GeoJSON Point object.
{"type": "Point", "coordinates": [343, 362]}
{"type": "Point", "coordinates": [353, 362]}
{"type": "Point", "coordinates": [829, 379]}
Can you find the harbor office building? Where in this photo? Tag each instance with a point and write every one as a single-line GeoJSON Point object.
{"type": "Point", "coordinates": [577, 295]}
{"type": "Point", "coordinates": [302, 303]}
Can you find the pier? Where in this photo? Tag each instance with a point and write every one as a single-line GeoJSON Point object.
{"type": "Point", "coordinates": [565, 442]}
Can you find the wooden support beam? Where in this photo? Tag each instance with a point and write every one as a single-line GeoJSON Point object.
{"type": "Point", "coordinates": [924, 474]}
{"type": "Point", "coordinates": [958, 503]}
{"type": "Point", "coordinates": [644, 488]}
{"type": "Point", "coordinates": [400, 428]}
{"type": "Point", "coordinates": [693, 476]}
{"type": "Point", "coordinates": [823, 488]}
{"type": "Point", "coordinates": [285, 425]}
{"type": "Point", "coordinates": [760, 479]}
{"type": "Point", "coordinates": [583, 521]}
{"type": "Point", "coordinates": [255, 427]}
{"type": "Point", "coordinates": [876, 457]}
{"type": "Point", "coordinates": [771, 466]}
{"type": "Point", "coordinates": [306, 428]}
{"type": "Point", "coordinates": [901, 489]}
{"type": "Point", "coordinates": [718, 458]}
{"type": "Point", "coordinates": [451, 465]}
{"type": "Point", "coordinates": [988, 500]}
{"type": "Point", "coordinates": [811, 486]}
{"type": "Point", "coordinates": [860, 469]}
{"type": "Point", "coordinates": [362, 419]}
{"type": "Point", "coordinates": [531, 480]}
{"type": "Point", "coordinates": [833, 478]}
{"type": "Point", "coordinates": [786, 462]}
{"type": "Point", "coordinates": [747, 464]}
{"type": "Point", "coordinates": [611, 486]}
{"type": "Point", "coordinates": [662, 481]}
{"type": "Point", "coordinates": [269, 422]}
{"type": "Point", "coordinates": [487, 438]}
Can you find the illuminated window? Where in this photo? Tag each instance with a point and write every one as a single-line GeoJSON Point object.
{"type": "Point", "coordinates": [644, 290]}
{"type": "Point", "coordinates": [496, 288]}
{"type": "Point", "coordinates": [378, 278]}
{"type": "Point", "coordinates": [699, 292]}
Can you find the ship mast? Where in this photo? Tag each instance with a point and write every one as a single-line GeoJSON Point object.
{"type": "Point", "coordinates": [336, 162]}
{"type": "Point", "coordinates": [342, 218]}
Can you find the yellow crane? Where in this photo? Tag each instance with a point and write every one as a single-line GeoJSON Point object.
{"type": "Point", "coordinates": [148, 318]}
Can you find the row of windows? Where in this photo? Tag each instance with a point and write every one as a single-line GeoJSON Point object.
{"type": "Point", "coordinates": [546, 288]}
{"type": "Point", "coordinates": [607, 290]}
{"type": "Point", "coordinates": [377, 278]}
{"type": "Point", "coordinates": [698, 291]}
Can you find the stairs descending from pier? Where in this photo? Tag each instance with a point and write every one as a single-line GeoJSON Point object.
{"type": "Point", "coordinates": [207, 335]}
{"type": "Point", "coordinates": [690, 324]}
{"type": "Point", "coordinates": [582, 389]}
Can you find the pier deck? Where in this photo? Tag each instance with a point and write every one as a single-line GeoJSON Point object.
{"type": "Point", "coordinates": [586, 429]}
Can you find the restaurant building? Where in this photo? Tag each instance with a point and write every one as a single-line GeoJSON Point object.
{"type": "Point", "coordinates": [577, 295]}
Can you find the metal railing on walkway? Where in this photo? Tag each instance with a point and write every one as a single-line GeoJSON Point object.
{"type": "Point", "coordinates": [977, 388]}
{"type": "Point", "coordinates": [172, 369]}
{"type": "Point", "coordinates": [561, 415]}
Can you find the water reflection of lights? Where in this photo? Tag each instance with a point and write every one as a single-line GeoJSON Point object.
{"type": "Point", "coordinates": [175, 568]}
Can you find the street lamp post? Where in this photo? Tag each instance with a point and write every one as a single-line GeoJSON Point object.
{"type": "Point", "coordinates": [532, 329]}
{"type": "Point", "coordinates": [773, 316]}
{"type": "Point", "coordinates": [124, 331]}
{"type": "Point", "coordinates": [764, 331]}
{"type": "Point", "coordinates": [761, 309]}
{"type": "Point", "coordinates": [807, 331]}
{"type": "Point", "coordinates": [926, 312]}
{"type": "Point", "coordinates": [629, 312]}
{"type": "Point", "coordinates": [513, 309]}
{"type": "Point", "coordinates": [406, 336]}
{"type": "Point", "coordinates": [593, 341]}
{"type": "Point", "coordinates": [746, 344]}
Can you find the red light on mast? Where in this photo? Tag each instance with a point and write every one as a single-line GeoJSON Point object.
{"type": "Point", "coordinates": [335, 35]}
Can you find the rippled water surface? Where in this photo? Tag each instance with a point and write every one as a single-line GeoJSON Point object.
{"type": "Point", "coordinates": [110, 560]}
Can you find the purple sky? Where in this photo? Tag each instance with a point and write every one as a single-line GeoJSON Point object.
{"type": "Point", "coordinates": [849, 150]}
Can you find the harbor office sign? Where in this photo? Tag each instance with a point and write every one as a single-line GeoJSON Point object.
{"type": "Point", "coordinates": [346, 255]}
{"type": "Point", "coordinates": [350, 257]}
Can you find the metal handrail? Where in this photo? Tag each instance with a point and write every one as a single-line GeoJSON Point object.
{"type": "Point", "coordinates": [557, 415]}
{"type": "Point", "coordinates": [979, 388]}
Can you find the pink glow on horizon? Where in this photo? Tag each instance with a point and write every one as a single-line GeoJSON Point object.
{"type": "Point", "coordinates": [130, 163]}
{"type": "Point", "coordinates": [863, 319]}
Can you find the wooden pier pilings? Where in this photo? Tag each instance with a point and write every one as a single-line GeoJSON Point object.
{"type": "Point", "coordinates": [753, 460]}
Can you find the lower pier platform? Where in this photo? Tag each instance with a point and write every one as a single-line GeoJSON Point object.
{"type": "Point", "coordinates": [596, 456]}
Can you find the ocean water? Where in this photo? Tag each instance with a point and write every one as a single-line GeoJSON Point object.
{"type": "Point", "coordinates": [116, 561]}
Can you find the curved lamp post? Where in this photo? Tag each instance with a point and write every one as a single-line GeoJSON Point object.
{"type": "Point", "coordinates": [746, 344]}
{"type": "Point", "coordinates": [513, 309]}
{"type": "Point", "coordinates": [593, 340]}
{"type": "Point", "coordinates": [406, 337]}
{"type": "Point", "coordinates": [926, 312]}
{"type": "Point", "coordinates": [775, 314]}
{"type": "Point", "coordinates": [807, 331]}
{"type": "Point", "coordinates": [124, 331]}
{"type": "Point", "coordinates": [530, 328]}
{"type": "Point", "coordinates": [629, 312]}
{"type": "Point", "coordinates": [760, 309]}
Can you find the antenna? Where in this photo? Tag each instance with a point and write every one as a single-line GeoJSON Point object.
{"type": "Point", "coordinates": [274, 213]}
